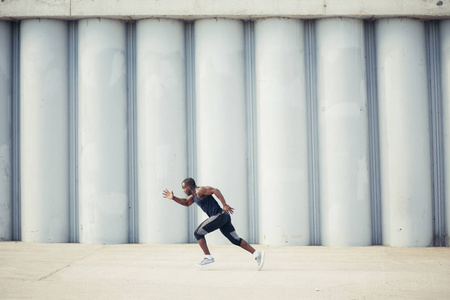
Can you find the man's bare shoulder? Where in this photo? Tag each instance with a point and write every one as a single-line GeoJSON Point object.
{"type": "Point", "coordinates": [203, 191]}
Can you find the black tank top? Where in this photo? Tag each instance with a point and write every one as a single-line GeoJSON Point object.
{"type": "Point", "coordinates": [208, 204]}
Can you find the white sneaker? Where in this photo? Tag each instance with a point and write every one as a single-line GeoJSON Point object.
{"type": "Point", "coordinates": [206, 262]}
{"type": "Point", "coordinates": [260, 260]}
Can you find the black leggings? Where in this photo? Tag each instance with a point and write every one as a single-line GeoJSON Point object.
{"type": "Point", "coordinates": [220, 221]}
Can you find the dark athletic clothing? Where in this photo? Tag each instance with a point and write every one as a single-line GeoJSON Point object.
{"type": "Point", "coordinates": [208, 204]}
{"type": "Point", "coordinates": [218, 219]}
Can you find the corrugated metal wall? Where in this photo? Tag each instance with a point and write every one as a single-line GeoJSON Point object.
{"type": "Point", "coordinates": [323, 132]}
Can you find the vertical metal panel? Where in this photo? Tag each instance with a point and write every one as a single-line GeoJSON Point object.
{"type": "Point", "coordinates": [161, 124]}
{"type": "Point", "coordinates": [5, 132]}
{"type": "Point", "coordinates": [444, 28]}
{"type": "Point", "coordinates": [249, 35]}
{"type": "Point", "coordinates": [44, 131]}
{"type": "Point", "coordinates": [436, 131]}
{"type": "Point", "coordinates": [16, 202]}
{"type": "Point", "coordinates": [282, 132]}
{"type": "Point", "coordinates": [190, 120]}
{"type": "Point", "coordinates": [343, 133]}
{"type": "Point", "coordinates": [133, 235]}
{"type": "Point", "coordinates": [313, 146]}
{"type": "Point", "coordinates": [374, 144]}
{"type": "Point", "coordinates": [221, 115]}
{"type": "Point", "coordinates": [73, 132]}
{"type": "Point", "coordinates": [103, 132]}
{"type": "Point", "coordinates": [404, 133]}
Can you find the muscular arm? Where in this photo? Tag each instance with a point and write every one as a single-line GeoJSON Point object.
{"type": "Point", "coordinates": [183, 201]}
{"type": "Point", "coordinates": [204, 191]}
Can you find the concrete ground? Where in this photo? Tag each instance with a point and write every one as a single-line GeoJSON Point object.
{"type": "Point", "coordinates": [135, 271]}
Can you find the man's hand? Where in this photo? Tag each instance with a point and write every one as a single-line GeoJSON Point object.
{"type": "Point", "coordinates": [228, 209]}
{"type": "Point", "coordinates": [167, 194]}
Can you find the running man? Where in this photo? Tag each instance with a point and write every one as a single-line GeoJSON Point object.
{"type": "Point", "coordinates": [218, 218]}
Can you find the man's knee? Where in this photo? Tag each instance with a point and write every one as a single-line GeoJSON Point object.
{"type": "Point", "coordinates": [200, 233]}
{"type": "Point", "coordinates": [236, 242]}
{"type": "Point", "coordinates": [234, 238]}
{"type": "Point", "coordinates": [198, 236]}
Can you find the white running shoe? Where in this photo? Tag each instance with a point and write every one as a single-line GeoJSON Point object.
{"type": "Point", "coordinates": [260, 260]}
{"type": "Point", "coordinates": [206, 262]}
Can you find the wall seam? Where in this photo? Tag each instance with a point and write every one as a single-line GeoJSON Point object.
{"type": "Point", "coordinates": [436, 131]}
{"type": "Point", "coordinates": [133, 235]}
{"type": "Point", "coordinates": [374, 148]}
{"type": "Point", "coordinates": [313, 148]}
{"type": "Point", "coordinates": [253, 222]}
{"type": "Point", "coordinates": [16, 185]}
{"type": "Point", "coordinates": [73, 133]}
{"type": "Point", "coordinates": [190, 119]}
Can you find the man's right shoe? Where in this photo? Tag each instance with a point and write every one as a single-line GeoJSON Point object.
{"type": "Point", "coordinates": [260, 260]}
{"type": "Point", "coordinates": [205, 262]}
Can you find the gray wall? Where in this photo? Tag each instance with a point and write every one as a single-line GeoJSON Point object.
{"type": "Point", "coordinates": [326, 132]}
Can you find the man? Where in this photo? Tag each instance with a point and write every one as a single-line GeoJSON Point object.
{"type": "Point", "coordinates": [218, 218]}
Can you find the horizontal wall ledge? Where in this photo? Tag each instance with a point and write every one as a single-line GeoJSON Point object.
{"type": "Point", "coordinates": [196, 9]}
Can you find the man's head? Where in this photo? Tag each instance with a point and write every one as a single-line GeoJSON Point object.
{"type": "Point", "coordinates": [188, 186]}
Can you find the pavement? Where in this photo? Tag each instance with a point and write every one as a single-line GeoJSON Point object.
{"type": "Point", "coordinates": [140, 271]}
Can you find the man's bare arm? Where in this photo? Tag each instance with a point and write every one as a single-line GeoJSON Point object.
{"type": "Point", "coordinates": [183, 201]}
{"type": "Point", "coordinates": [204, 191]}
